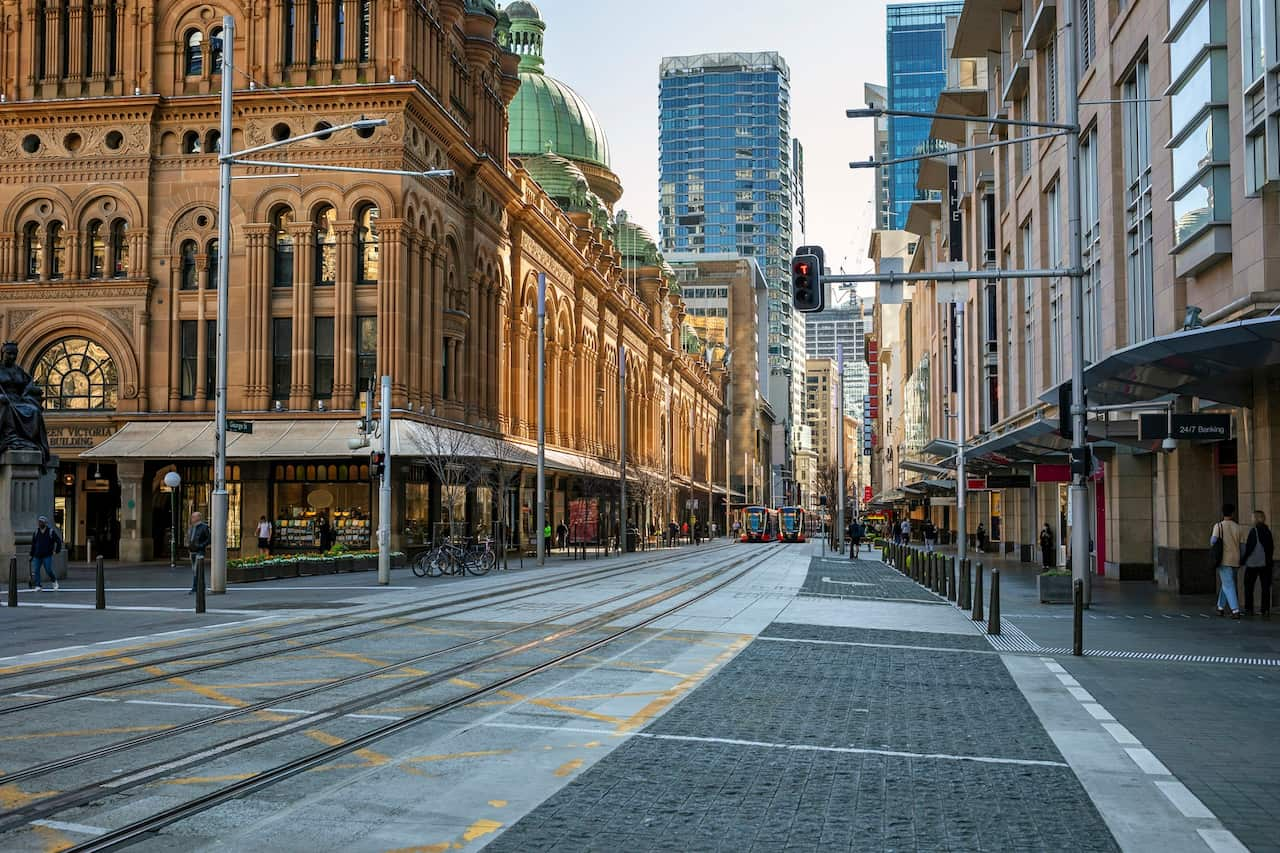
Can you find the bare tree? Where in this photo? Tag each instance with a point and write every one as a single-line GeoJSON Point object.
{"type": "Point", "coordinates": [499, 473]}
{"type": "Point", "coordinates": [451, 455]}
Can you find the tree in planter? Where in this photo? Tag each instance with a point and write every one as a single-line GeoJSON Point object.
{"type": "Point", "coordinates": [452, 456]}
{"type": "Point", "coordinates": [829, 484]}
{"type": "Point", "coordinates": [649, 489]}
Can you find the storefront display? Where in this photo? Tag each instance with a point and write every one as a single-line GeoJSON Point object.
{"type": "Point", "coordinates": [319, 505]}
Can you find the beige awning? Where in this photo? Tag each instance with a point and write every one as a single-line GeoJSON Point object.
{"type": "Point", "coordinates": [271, 439]}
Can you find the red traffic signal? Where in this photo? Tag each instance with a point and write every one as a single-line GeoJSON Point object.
{"type": "Point", "coordinates": [806, 283]}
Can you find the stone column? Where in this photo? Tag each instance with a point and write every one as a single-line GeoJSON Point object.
{"type": "Point", "coordinates": [302, 378]}
{"type": "Point", "coordinates": [344, 322]}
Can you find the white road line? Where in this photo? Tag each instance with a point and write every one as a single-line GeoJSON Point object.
{"type": "Point", "coordinates": [1098, 712]}
{"type": "Point", "coordinates": [1081, 694]}
{"type": "Point", "coordinates": [1054, 666]}
{"type": "Point", "coordinates": [1067, 681]}
{"type": "Point", "coordinates": [1222, 841]}
{"type": "Point", "coordinates": [176, 704]}
{"type": "Point", "coordinates": [1183, 800]}
{"type": "Point", "coordinates": [1146, 760]}
{"type": "Point", "coordinates": [1122, 736]}
{"type": "Point", "coordinates": [877, 645]}
{"type": "Point", "coordinates": [800, 747]}
{"type": "Point", "coordinates": [63, 826]}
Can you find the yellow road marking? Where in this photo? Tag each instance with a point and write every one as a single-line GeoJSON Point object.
{"type": "Point", "coordinates": [118, 730]}
{"type": "Point", "coordinates": [372, 758]}
{"type": "Point", "coordinates": [480, 753]}
{"type": "Point", "coordinates": [52, 840]}
{"type": "Point", "coordinates": [206, 780]}
{"type": "Point", "coordinates": [648, 712]}
{"type": "Point", "coordinates": [497, 804]}
{"type": "Point", "coordinates": [481, 828]}
{"type": "Point", "coordinates": [11, 796]}
{"type": "Point", "coordinates": [425, 848]}
{"type": "Point", "coordinates": [568, 767]}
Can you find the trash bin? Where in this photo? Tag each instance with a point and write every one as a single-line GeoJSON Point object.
{"type": "Point", "coordinates": [633, 539]}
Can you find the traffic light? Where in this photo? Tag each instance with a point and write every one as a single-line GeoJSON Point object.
{"type": "Point", "coordinates": [377, 464]}
{"type": "Point", "coordinates": [806, 283]}
{"type": "Point", "coordinates": [1081, 461]}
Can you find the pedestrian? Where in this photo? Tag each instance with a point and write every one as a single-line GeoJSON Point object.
{"type": "Point", "coordinates": [930, 532]}
{"type": "Point", "coordinates": [562, 535]}
{"type": "Point", "coordinates": [325, 533]}
{"type": "Point", "coordinates": [1046, 548]}
{"type": "Point", "coordinates": [684, 531]}
{"type": "Point", "coordinates": [981, 536]}
{"type": "Point", "coordinates": [855, 533]}
{"type": "Point", "coordinates": [715, 530]}
{"type": "Point", "coordinates": [198, 539]}
{"type": "Point", "coordinates": [264, 535]}
{"type": "Point", "coordinates": [737, 529]}
{"type": "Point", "coordinates": [1259, 557]}
{"type": "Point", "coordinates": [1227, 544]}
{"type": "Point", "coordinates": [45, 542]}
{"type": "Point", "coordinates": [905, 527]}
{"type": "Point", "coordinates": [546, 538]}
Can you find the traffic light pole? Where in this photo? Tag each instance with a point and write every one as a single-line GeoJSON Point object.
{"type": "Point", "coordinates": [384, 487]}
{"type": "Point", "coordinates": [840, 487]}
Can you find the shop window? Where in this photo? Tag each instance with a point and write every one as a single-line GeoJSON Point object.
{"type": "Point", "coordinates": [97, 250]}
{"type": "Point", "coordinates": [33, 246]}
{"type": "Point", "coordinates": [57, 251]}
{"type": "Point", "coordinates": [119, 249]}
{"type": "Point", "coordinates": [187, 342]}
{"type": "Point", "coordinates": [77, 374]}
{"type": "Point", "coordinates": [281, 357]}
{"type": "Point", "coordinates": [187, 265]}
{"type": "Point", "coordinates": [323, 366]}
{"type": "Point", "coordinates": [194, 53]}
{"type": "Point", "coordinates": [367, 245]}
{"type": "Point", "coordinates": [281, 248]}
{"type": "Point", "coordinates": [366, 351]}
{"type": "Point", "coordinates": [326, 261]}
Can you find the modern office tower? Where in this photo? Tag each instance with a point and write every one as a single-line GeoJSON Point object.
{"type": "Point", "coordinates": [875, 95]}
{"type": "Point", "coordinates": [726, 185]}
{"type": "Point", "coordinates": [916, 49]}
{"type": "Point", "coordinates": [844, 325]}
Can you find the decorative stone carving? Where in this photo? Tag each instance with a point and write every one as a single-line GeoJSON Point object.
{"type": "Point", "coordinates": [21, 407]}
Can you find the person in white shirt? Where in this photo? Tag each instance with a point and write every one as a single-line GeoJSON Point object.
{"type": "Point", "coordinates": [264, 535]}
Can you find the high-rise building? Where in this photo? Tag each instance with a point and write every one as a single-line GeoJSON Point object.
{"type": "Point", "coordinates": [876, 95]}
{"type": "Point", "coordinates": [916, 48]}
{"type": "Point", "coordinates": [826, 332]}
{"type": "Point", "coordinates": [726, 185]}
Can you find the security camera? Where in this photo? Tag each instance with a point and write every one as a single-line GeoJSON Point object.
{"type": "Point", "coordinates": [1169, 445]}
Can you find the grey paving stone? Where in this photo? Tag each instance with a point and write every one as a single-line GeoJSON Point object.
{"type": "Point", "coordinates": [862, 579]}
{"type": "Point", "coordinates": [796, 631]}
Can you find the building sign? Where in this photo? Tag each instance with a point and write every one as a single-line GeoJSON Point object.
{"type": "Point", "coordinates": [976, 484]}
{"type": "Point", "coordinates": [78, 436]}
{"type": "Point", "coordinates": [955, 235]}
{"type": "Point", "coordinates": [1185, 427]}
{"type": "Point", "coordinates": [866, 494]}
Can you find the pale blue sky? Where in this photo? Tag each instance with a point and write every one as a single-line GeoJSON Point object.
{"type": "Point", "coordinates": [609, 52]}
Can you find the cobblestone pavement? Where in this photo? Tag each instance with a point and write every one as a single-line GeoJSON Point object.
{"type": "Point", "coordinates": [809, 746]}
{"type": "Point", "coordinates": [846, 578]}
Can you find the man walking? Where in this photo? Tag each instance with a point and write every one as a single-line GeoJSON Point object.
{"type": "Point", "coordinates": [906, 531]}
{"type": "Point", "coordinates": [930, 535]}
{"type": "Point", "coordinates": [1227, 543]}
{"type": "Point", "coordinates": [45, 542]}
{"type": "Point", "coordinates": [1046, 548]}
{"type": "Point", "coordinates": [562, 534]}
{"type": "Point", "coordinates": [854, 532]}
{"type": "Point", "coordinates": [198, 539]}
{"type": "Point", "coordinates": [1259, 553]}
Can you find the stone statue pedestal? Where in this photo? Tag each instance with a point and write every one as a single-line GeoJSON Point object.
{"type": "Point", "coordinates": [26, 493]}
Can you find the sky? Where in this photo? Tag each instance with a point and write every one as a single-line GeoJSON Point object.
{"type": "Point", "coordinates": [609, 53]}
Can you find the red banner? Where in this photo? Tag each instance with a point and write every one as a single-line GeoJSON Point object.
{"type": "Point", "coordinates": [584, 520]}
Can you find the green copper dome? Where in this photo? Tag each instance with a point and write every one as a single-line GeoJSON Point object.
{"type": "Point", "coordinates": [635, 243]}
{"type": "Point", "coordinates": [547, 112]}
{"type": "Point", "coordinates": [560, 179]}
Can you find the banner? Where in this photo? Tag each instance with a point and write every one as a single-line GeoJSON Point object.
{"type": "Point", "coordinates": [584, 520]}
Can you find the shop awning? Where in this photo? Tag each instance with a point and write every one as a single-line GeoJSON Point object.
{"type": "Point", "coordinates": [1214, 363]}
{"type": "Point", "coordinates": [271, 439]}
{"type": "Point", "coordinates": [940, 447]}
{"type": "Point", "coordinates": [891, 496]}
{"type": "Point", "coordinates": [921, 467]}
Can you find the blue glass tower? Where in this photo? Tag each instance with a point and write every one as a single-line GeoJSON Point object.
{"type": "Point", "coordinates": [916, 44]}
{"type": "Point", "coordinates": [725, 173]}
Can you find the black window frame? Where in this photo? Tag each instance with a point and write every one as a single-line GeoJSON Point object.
{"type": "Point", "coordinates": [281, 357]}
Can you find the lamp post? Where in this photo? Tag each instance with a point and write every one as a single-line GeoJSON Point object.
{"type": "Point", "coordinates": [219, 501]}
{"type": "Point", "coordinates": [540, 499]}
{"type": "Point", "coordinates": [622, 447]}
{"type": "Point", "coordinates": [173, 481]}
{"type": "Point", "coordinates": [840, 449]}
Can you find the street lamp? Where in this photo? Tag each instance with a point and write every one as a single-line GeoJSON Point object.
{"type": "Point", "coordinates": [219, 502]}
{"type": "Point", "coordinates": [541, 500]}
{"type": "Point", "coordinates": [172, 480]}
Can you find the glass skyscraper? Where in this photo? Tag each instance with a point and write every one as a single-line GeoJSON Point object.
{"type": "Point", "coordinates": [916, 44]}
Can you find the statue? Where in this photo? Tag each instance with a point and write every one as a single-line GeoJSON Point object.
{"type": "Point", "coordinates": [21, 415]}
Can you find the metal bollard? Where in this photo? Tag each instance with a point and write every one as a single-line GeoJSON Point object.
{"type": "Point", "coordinates": [951, 580]}
{"type": "Point", "coordinates": [199, 584]}
{"type": "Point", "coordinates": [977, 592]}
{"type": "Point", "coordinates": [993, 612]}
{"type": "Point", "coordinates": [13, 581]}
{"type": "Point", "coordinates": [936, 565]}
{"type": "Point", "coordinates": [1077, 621]}
{"type": "Point", "coordinates": [966, 586]}
{"type": "Point", "coordinates": [100, 585]}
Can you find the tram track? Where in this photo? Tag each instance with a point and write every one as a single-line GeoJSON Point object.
{"type": "Point", "coordinates": [133, 779]}
{"type": "Point", "coordinates": [533, 589]}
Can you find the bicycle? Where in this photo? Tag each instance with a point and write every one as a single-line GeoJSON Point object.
{"type": "Point", "coordinates": [449, 558]}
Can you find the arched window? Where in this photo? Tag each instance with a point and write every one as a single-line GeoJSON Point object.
{"type": "Point", "coordinates": [34, 249]}
{"type": "Point", "coordinates": [187, 259]}
{"type": "Point", "coordinates": [193, 58]}
{"type": "Point", "coordinates": [339, 30]}
{"type": "Point", "coordinates": [366, 30]}
{"type": "Point", "coordinates": [211, 271]}
{"type": "Point", "coordinates": [97, 250]}
{"type": "Point", "coordinates": [326, 261]}
{"type": "Point", "coordinates": [367, 252]}
{"type": "Point", "coordinates": [57, 251]}
{"type": "Point", "coordinates": [213, 142]}
{"type": "Point", "coordinates": [191, 142]}
{"type": "Point", "coordinates": [77, 374]}
{"type": "Point", "coordinates": [119, 249]}
{"type": "Point", "coordinates": [290, 28]}
{"type": "Point", "coordinates": [215, 50]}
{"type": "Point", "coordinates": [282, 248]}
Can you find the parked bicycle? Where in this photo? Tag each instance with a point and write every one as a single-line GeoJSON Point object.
{"type": "Point", "coordinates": [451, 558]}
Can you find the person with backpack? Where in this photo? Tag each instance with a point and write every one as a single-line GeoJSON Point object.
{"type": "Point", "coordinates": [1047, 561]}
{"type": "Point", "coordinates": [855, 533]}
{"type": "Point", "coordinates": [1227, 544]}
{"type": "Point", "coordinates": [198, 539]}
{"type": "Point", "coordinates": [45, 542]}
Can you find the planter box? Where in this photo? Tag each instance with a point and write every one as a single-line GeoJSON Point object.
{"type": "Point", "coordinates": [1055, 589]}
{"type": "Point", "coordinates": [365, 564]}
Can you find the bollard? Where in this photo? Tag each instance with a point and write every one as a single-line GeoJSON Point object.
{"type": "Point", "coordinates": [100, 585]}
{"type": "Point", "coordinates": [966, 587]}
{"type": "Point", "coordinates": [1077, 621]}
{"type": "Point", "coordinates": [977, 592]}
{"type": "Point", "coordinates": [199, 584]}
{"type": "Point", "coordinates": [993, 612]}
{"type": "Point", "coordinates": [937, 574]}
{"type": "Point", "coordinates": [13, 581]}
{"type": "Point", "coordinates": [951, 580]}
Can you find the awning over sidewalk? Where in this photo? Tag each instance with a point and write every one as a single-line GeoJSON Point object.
{"type": "Point", "coordinates": [922, 467]}
{"type": "Point", "coordinates": [1214, 363]}
{"type": "Point", "coordinates": [273, 439]}
{"type": "Point", "coordinates": [888, 498]}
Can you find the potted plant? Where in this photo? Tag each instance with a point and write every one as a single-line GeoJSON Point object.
{"type": "Point", "coordinates": [1055, 587]}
